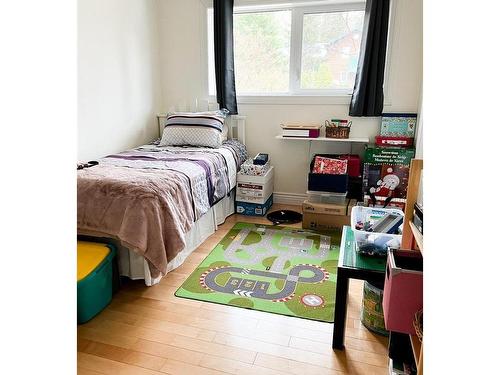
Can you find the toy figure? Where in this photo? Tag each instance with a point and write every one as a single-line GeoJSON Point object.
{"type": "Point", "coordinates": [385, 186]}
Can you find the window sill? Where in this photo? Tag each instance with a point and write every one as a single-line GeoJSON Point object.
{"type": "Point", "coordinates": [291, 99]}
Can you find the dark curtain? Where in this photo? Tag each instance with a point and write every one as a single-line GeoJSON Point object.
{"type": "Point", "coordinates": [224, 55]}
{"type": "Point", "coordinates": [368, 94]}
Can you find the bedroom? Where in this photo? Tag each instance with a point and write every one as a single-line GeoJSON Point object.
{"type": "Point", "coordinates": [230, 197]}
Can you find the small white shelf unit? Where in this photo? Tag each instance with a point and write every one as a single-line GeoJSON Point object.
{"type": "Point", "coordinates": [325, 139]}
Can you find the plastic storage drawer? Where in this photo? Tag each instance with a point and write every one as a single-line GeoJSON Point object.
{"type": "Point", "coordinates": [403, 290]}
{"type": "Point", "coordinates": [326, 197]}
{"type": "Point", "coordinates": [94, 278]}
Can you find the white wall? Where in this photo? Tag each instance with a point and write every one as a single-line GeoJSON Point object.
{"type": "Point", "coordinates": [184, 76]}
{"type": "Point", "coordinates": [140, 57]}
{"type": "Point", "coordinates": [118, 75]}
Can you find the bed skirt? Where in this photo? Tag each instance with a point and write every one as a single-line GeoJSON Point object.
{"type": "Point", "coordinates": [135, 267]}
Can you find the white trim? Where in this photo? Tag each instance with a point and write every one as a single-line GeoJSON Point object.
{"type": "Point", "coordinates": [295, 50]}
{"type": "Point", "coordinates": [289, 198]}
{"type": "Point", "coordinates": [290, 99]}
{"type": "Point", "coordinates": [391, 39]}
{"type": "Point", "coordinates": [279, 4]}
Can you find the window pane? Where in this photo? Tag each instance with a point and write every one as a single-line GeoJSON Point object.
{"type": "Point", "coordinates": [262, 52]}
{"type": "Point", "coordinates": [330, 49]}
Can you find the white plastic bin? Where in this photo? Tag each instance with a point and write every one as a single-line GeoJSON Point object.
{"type": "Point", "coordinates": [326, 197]}
{"type": "Point", "coordinates": [360, 213]}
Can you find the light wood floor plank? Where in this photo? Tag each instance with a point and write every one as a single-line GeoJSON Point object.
{"type": "Point", "coordinates": [84, 371]}
{"type": "Point", "coordinates": [236, 367]}
{"type": "Point", "coordinates": [167, 351]}
{"type": "Point", "coordinates": [144, 360]}
{"type": "Point", "coordinates": [107, 366]}
{"type": "Point", "coordinates": [101, 336]}
{"type": "Point", "coordinates": [147, 330]}
{"type": "Point", "coordinates": [181, 368]}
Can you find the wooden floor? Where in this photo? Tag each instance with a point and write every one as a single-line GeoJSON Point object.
{"type": "Point", "coordinates": [147, 330]}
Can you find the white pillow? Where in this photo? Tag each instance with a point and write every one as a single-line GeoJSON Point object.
{"type": "Point", "coordinates": [225, 132]}
{"type": "Point", "coordinates": [203, 129]}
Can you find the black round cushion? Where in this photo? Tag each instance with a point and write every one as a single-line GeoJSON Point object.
{"type": "Point", "coordinates": [284, 217]}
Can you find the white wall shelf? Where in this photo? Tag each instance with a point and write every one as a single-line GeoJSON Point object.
{"type": "Point", "coordinates": [325, 139]}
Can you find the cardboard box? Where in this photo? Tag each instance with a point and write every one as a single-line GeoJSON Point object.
{"type": "Point", "coordinates": [254, 209]}
{"type": "Point", "coordinates": [324, 216]}
{"type": "Point", "coordinates": [343, 209]}
{"type": "Point", "coordinates": [254, 193]}
{"type": "Point", "coordinates": [255, 189]}
{"type": "Point", "coordinates": [261, 180]}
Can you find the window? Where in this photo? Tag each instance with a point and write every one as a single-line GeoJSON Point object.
{"type": "Point", "coordinates": [294, 50]}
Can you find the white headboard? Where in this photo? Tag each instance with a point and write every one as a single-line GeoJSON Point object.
{"type": "Point", "coordinates": [235, 123]}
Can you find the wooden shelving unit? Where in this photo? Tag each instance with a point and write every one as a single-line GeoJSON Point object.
{"type": "Point", "coordinates": [417, 236]}
{"type": "Point", "coordinates": [416, 347]}
{"type": "Point", "coordinates": [414, 240]}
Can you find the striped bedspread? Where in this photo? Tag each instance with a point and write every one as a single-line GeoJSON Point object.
{"type": "Point", "coordinates": [149, 197]}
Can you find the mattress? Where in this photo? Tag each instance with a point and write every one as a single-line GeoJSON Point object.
{"type": "Point", "coordinates": [150, 199]}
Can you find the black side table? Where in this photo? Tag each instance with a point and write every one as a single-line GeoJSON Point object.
{"type": "Point", "coordinates": [352, 266]}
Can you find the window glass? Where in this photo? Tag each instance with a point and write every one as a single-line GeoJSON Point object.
{"type": "Point", "coordinates": [330, 49]}
{"type": "Point", "coordinates": [262, 51]}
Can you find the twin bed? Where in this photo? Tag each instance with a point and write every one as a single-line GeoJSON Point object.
{"type": "Point", "coordinates": [158, 203]}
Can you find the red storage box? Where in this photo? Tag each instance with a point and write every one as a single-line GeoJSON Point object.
{"type": "Point", "coordinates": [382, 140]}
{"type": "Point", "coordinates": [353, 164]}
{"type": "Point", "coordinates": [403, 290]}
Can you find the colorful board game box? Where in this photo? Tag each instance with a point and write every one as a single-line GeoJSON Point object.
{"type": "Point", "coordinates": [398, 124]}
{"type": "Point", "coordinates": [386, 171]}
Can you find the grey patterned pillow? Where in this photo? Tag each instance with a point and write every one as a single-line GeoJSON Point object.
{"type": "Point", "coordinates": [203, 129]}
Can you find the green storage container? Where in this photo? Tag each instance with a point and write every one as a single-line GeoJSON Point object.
{"type": "Point", "coordinates": [94, 278]}
{"type": "Point", "coordinates": [372, 315]}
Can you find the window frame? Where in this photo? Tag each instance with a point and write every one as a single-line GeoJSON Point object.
{"type": "Point", "coordinates": [295, 94]}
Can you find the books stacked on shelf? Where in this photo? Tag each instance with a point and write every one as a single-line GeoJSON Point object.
{"type": "Point", "coordinates": [385, 176]}
{"type": "Point", "coordinates": [300, 131]}
{"type": "Point", "coordinates": [418, 217]}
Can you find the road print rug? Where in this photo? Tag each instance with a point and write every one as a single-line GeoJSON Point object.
{"type": "Point", "coordinates": [287, 271]}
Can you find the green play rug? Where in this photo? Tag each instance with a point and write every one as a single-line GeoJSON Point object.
{"type": "Point", "coordinates": [287, 271]}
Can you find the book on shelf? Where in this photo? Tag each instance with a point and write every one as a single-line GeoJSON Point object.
{"type": "Point", "coordinates": [303, 131]}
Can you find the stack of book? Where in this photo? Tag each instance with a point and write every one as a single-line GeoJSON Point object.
{"type": "Point", "coordinates": [300, 131]}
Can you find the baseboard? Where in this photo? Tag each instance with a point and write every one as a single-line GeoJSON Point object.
{"type": "Point", "coordinates": [289, 198]}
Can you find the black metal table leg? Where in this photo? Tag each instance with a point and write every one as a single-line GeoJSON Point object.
{"type": "Point", "coordinates": [340, 309]}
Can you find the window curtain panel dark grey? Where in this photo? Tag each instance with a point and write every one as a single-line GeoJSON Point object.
{"type": "Point", "coordinates": [368, 94]}
{"type": "Point", "coordinates": [224, 55]}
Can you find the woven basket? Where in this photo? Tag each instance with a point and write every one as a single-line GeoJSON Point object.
{"type": "Point", "coordinates": [337, 131]}
{"type": "Point", "coordinates": [418, 323]}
